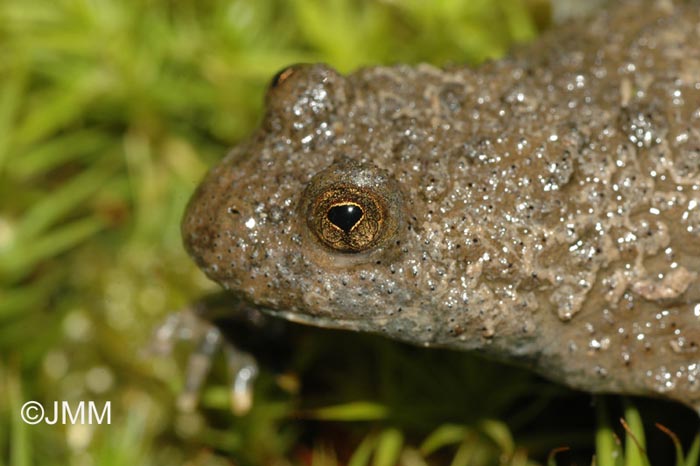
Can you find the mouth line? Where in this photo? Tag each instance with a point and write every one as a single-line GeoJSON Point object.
{"type": "Point", "coordinates": [315, 321]}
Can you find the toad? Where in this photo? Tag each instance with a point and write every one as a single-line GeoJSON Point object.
{"type": "Point", "coordinates": [543, 209]}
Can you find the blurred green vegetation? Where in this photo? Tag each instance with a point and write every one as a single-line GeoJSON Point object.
{"type": "Point", "coordinates": [110, 113]}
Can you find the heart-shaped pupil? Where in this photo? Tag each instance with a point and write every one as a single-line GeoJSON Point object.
{"type": "Point", "coordinates": [345, 216]}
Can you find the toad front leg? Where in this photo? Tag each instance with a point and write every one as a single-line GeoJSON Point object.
{"type": "Point", "coordinates": [218, 323]}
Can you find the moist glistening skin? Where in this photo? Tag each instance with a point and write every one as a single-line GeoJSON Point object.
{"type": "Point", "coordinates": [543, 209]}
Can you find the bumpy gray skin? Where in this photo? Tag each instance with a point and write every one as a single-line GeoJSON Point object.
{"type": "Point", "coordinates": [550, 209]}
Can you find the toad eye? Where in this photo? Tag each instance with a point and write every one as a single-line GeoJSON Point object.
{"type": "Point", "coordinates": [351, 208]}
{"type": "Point", "coordinates": [348, 218]}
{"type": "Point", "coordinates": [283, 75]}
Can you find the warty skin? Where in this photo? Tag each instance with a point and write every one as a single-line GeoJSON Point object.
{"type": "Point", "coordinates": [543, 209]}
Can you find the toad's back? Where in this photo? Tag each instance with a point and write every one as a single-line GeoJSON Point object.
{"type": "Point", "coordinates": [544, 208]}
